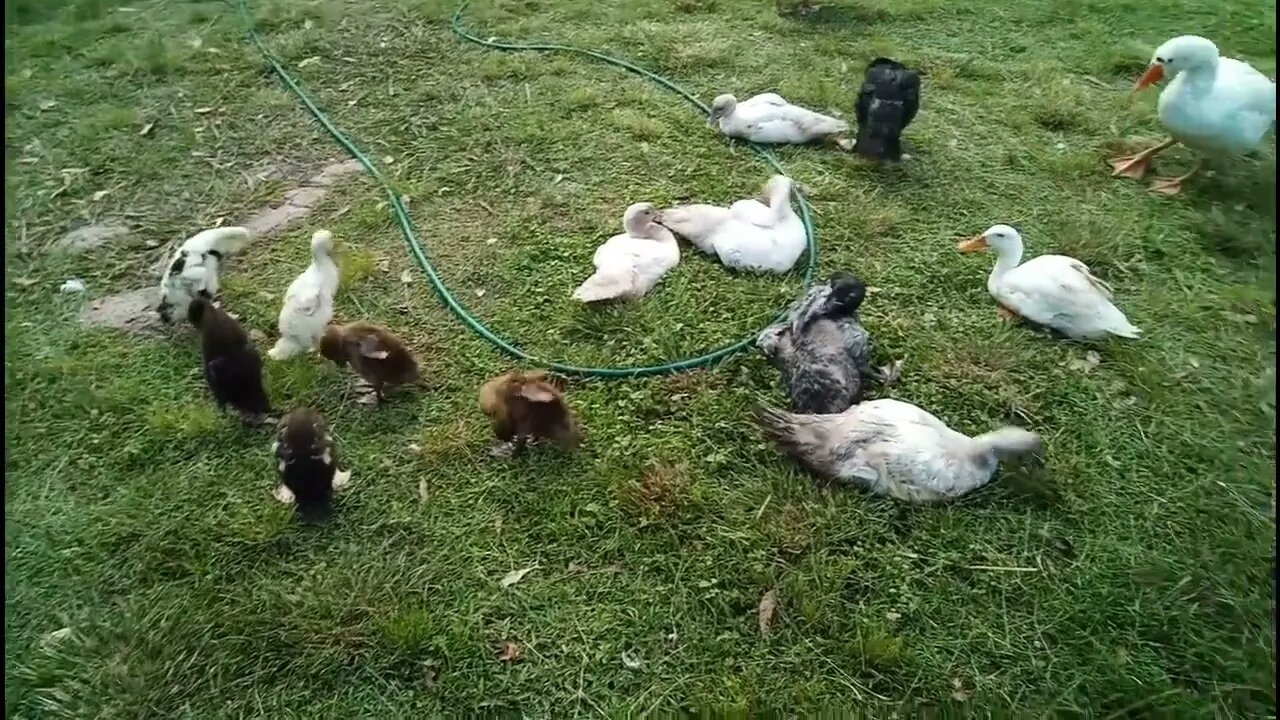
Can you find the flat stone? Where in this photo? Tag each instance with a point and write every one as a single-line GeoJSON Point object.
{"type": "Point", "coordinates": [132, 311]}
{"type": "Point", "coordinates": [300, 201]}
{"type": "Point", "coordinates": [89, 237]}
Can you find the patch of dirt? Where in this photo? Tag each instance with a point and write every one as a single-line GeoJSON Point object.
{"type": "Point", "coordinates": [133, 311]}
{"type": "Point", "coordinates": [86, 238]}
{"type": "Point", "coordinates": [299, 201]}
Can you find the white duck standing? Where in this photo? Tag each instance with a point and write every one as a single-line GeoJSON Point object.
{"type": "Point", "coordinates": [895, 449]}
{"type": "Point", "coordinates": [771, 120]}
{"type": "Point", "coordinates": [308, 303]}
{"type": "Point", "coordinates": [1051, 290]}
{"type": "Point", "coordinates": [759, 238]}
{"type": "Point", "coordinates": [1214, 105]}
{"type": "Point", "coordinates": [627, 266]}
{"type": "Point", "coordinates": [193, 270]}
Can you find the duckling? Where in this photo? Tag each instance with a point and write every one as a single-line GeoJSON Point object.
{"type": "Point", "coordinates": [524, 406]}
{"type": "Point", "coordinates": [895, 449]}
{"type": "Point", "coordinates": [232, 366]}
{"type": "Point", "coordinates": [308, 303]}
{"type": "Point", "coordinates": [193, 269]}
{"type": "Point", "coordinates": [309, 472]}
{"type": "Point", "coordinates": [887, 103]}
{"type": "Point", "coordinates": [375, 353]}
{"type": "Point", "coordinates": [822, 350]}
{"type": "Point", "coordinates": [629, 265]}
{"type": "Point", "coordinates": [769, 119]}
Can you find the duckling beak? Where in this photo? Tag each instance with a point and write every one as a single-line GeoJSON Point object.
{"type": "Point", "coordinates": [973, 244]}
{"type": "Point", "coordinates": [1153, 75]}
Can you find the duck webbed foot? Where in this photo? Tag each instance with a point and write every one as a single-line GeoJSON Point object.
{"type": "Point", "coordinates": [1136, 166]}
{"type": "Point", "coordinates": [1006, 314]}
{"type": "Point", "coordinates": [1172, 186]}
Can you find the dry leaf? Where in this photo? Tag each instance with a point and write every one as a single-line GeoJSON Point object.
{"type": "Point", "coordinates": [309, 61]}
{"type": "Point", "coordinates": [424, 492]}
{"type": "Point", "coordinates": [509, 651]}
{"type": "Point", "coordinates": [631, 662]}
{"type": "Point", "coordinates": [203, 110]}
{"type": "Point", "coordinates": [768, 608]}
{"type": "Point", "coordinates": [429, 676]}
{"type": "Point", "coordinates": [415, 448]}
{"type": "Point", "coordinates": [958, 691]}
{"type": "Point", "coordinates": [146, 129]}
{"type": "Point", "coordinates": [101, 194]}
{"type": "Point", "coordinates": [48, 104]}
{"type": "Point", "coordinates": [1242, 318]}
{"type": "Point", "coordinates": [406, 276]}
{"type": "Point", "coordinates": [576, 568]}
{"type": "Point", "coordinates": [1086, 364]}
{"type": "Point", "coordinates": [24, 282]}
{"type": "Point", "coordinates": [480, 292]}
{"type": "Point", "coordinates": [515, 576]}
{"type": "Point", "coordinates": [491, 241]}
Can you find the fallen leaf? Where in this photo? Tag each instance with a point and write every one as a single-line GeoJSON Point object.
{"type": "Point", "coordinates": [101, 194]}
{"type": "Point", "coordinates": [406, 276]}
{"type": "Point", "coordinates": [768, 608]}
{"type": "Point", "coordinates": [480, 292]}
{"type": "Point", "coordinates": [424, 492]}
{"type": "Point", "coordinates": [57, 636]}
{"type": "Point", "coordinates": [1085, 364]}
{"type": "Point", "coordinates": [146, 129]}
{"type": "Point", "coordinates": [48, 104]}
{"type": "Point", "coordinates": [631, 662]}
{"type": "Point", "coordinates": [28, 160]}
{"type": "Point", "coordinates": [203, 110]}
{"type": "Point", "coordinates": [415, 448]}
{"type": "Point", "coordinates": [958, 690]}
{"type": "Point", "coordinates": [24, 282]}
{"type": "Point", "coordinates": [309, 61]}
{"type": "Point", "coordinates": [509, 651]}
{"type": "Point", "coordinates": [892, 616]}
{"type": "Point", "coordinates": [491, 241]}
{"type": "Point", "coordinates": [576, 568]}
{"type": "Point", "coordinates": [74, 285]}
{"type": "Point", "coordinates": [1242, 318]}
{"type": "Point", "coordinates": [515, 576]}
{"type": "Point", "coordinates": [429, 676]}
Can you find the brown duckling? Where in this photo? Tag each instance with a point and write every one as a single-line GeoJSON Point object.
{"type": "Point", "coordinates": [309, 472]}
{"type": "Point", "coordinates": [375, 353]}
{"type": "Point", "coordinates": [232, 366]}
{"type": "Point", "coordinates": [524, 406]}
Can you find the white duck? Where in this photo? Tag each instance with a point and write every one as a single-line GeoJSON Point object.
{"type": "Point", "coordinates": [627, 266]}
{"type": "Point", "coordinates": [893, 448]}
{"type": "Point", "coordinates": [769, 119]}
{"type": "Point", "coordinates": [193, 269]}
{"type": "Point", "coordinates": [308, 303]}
{"type": "Point", "coordinates": [1051, 290]}
{"type": "Point", "coordinates": [698, 222]}
{"type": "Point", "coordinates": [1214, 105]}
{"type": "Point", "coordinates": [762, 239]}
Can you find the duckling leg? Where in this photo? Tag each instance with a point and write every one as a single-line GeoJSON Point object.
{"type": "Point", "coordinates": [283, 494]}
{"type": "Point", "coordinates": [366, 393]}
{"type": "Point", "coordinates": [341, 478]}
{"type": "Point", "coordinates": [1006, 314]}
{"type": "Point", "coordinates": [1136, 165]}
{"type": "Point", "coordinates": [1173, 186]}
{"type": "Point", "coordinates": [502, 449]}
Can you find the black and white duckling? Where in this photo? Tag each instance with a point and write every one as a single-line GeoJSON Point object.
{"type": "Point", "coordinates": [193, 270]}
{"type": "Point", "coordinates": [887, 103]}
{"type": "Point", "coordinates": [378, 355]}
{"type": "Point", "coordinates": [822, 349]}
{"type": "Point", "coordinates": [308, 468]}
{"type": "Point", "coordinates": [232, 366]}
{"type": "Point", "coordinates": [895, 449]}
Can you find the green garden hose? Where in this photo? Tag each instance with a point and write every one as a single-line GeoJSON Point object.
{"type": "Point", "coordinates": [401, 215]}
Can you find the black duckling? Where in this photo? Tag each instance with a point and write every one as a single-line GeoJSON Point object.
{"type": "Point", "coordinates": [376, 354]}
{"type": "Point", "coordinates": [822, 349]}
{"type": "Point", "coordinates": [232, 366]}
{"type": "Point", "coordinates": [525, 406]}
{"type": "Point", "coordinates": [887, 103]}
{"type": "Point", "coordinates": [309, 472]}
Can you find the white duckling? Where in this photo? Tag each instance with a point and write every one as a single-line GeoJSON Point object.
{"type": "Point", "coordinates": [627, 266]}
{"type": "Point", "coordinates": [308, 303]}
{"type": "Point", "coordinates": [193, 270]}
{"type": "Point", "coordinates": [764, 239]}
{"type": "Point", "coordinates": [771, 120]}
{"type": "Point", "coordinates": [1213, 105]}
{"type": "Point", "coordinates": [1051, 290]}
{"type": "Point", "coordinates": [895, 449]}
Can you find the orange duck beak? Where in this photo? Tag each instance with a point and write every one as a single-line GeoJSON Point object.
{"type": "Point", "coordinates": [973, 244]}
{"type": "Point", "coordinates": [1153, 75]}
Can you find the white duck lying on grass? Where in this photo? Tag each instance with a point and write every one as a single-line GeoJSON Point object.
{"type": "Point", "coordinates": [308, 303]}
{"type": "Point", "coordinates": [749, 235]}
{"type": "Point", "coordinates": [627, 266]}
{"type": "Point", "coordinates": [771, 120]}
{"type": "Point", "coordinates": [893, 448]}
{"type": "Point", "coordinates": [1214, 105]}
{"type": "Point", "coordinates": [1051, 290]}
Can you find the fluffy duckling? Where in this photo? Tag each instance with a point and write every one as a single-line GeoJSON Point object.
{"type": "Point", "coordinates": [232, 366]}
{"type": "Point", "coordinates": [308, 303]}
{"type": "Point", "coordinates": [309, 472]}
{"type": "Point", "coordinates": [769, 119]}
{"type": "Point", "coordinates": [887, 103]}
{"type": "Point", "coordinates": [524, 406]}
{"type": "Point", "coordinates": [193, 270]}
{"type": "Point", "coordinates": [895, 449]}
{"type": "Point", "coordinates": [1051, 290]}
{"type": "Point", "coordinates": [376, 354]}
{"type": "Point", "coordinates": [627, 266]}
{"type": "Point", "coordinates": [822, 350]}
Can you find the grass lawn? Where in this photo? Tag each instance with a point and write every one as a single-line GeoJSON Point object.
{"type": "Point", "coordinates": [1126, 576]}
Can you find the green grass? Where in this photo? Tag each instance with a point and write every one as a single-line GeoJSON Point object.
{"type": "Point", "coordinates": [142, 521]}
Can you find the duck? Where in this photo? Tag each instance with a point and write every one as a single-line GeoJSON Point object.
{"type": "Point", "coordinates": [231, 364]}
{"type": "Point", "coordinates": [308, 303]}
{"type": "Point", "coordinates": [768, 241]}
{"type": "Point", "coordinates": [1213, 105]}
{"type": "Point", "coordinates": [193, 269]}
{"type": "Point", "coordinates": [309, 474]}
{"type": "Point", "coordinates": [895, 449]}
{"type": "Point", "coordinates": [629, 265]}
{"type": "Point", "coordinates": [377, 355]}
{"type": "Point", "coordinates": [887, 103]}
{"type": "Point", "coordinates": [822, 350]}
{"type": "Point", "coordinates": [1056, 291]}
{"type": "Point", "coordinates": [771, 120]}
{"type": "Point", "coordinates": [524, 406]}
